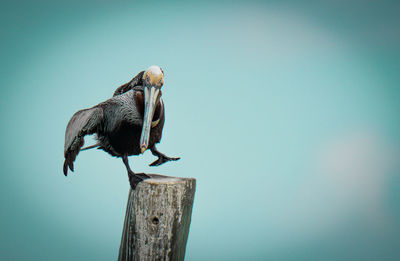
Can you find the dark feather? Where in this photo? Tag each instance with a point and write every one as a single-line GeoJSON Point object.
{"type": "Point", "coordinates": [136, 81]}
{"type": "Point", "coordinates": [82, 123]}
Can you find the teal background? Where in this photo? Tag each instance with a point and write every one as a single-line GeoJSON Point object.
{"type": "Point", "coordinates": [286, 113]}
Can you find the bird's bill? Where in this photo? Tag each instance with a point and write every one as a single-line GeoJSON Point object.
{"type": "Point", "coordinates": [151, 94]}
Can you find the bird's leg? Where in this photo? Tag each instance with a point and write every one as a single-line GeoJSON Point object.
{"type": "Point", "coordinates": [162, 158]}
{"type": "Point", "coordinates": [134, 179]}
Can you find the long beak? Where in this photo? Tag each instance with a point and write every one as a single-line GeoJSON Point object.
{"type": "Point", "coordinates": [150, 97]}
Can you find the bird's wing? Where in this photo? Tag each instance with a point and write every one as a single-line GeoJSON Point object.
{"type": "Point", "coordinates": [82, 123]}
{"type": "Point", "coordinates": [129, 86]}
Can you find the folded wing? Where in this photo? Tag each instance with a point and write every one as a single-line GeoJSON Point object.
{"type": "Point", "coordinates": [83, 122]}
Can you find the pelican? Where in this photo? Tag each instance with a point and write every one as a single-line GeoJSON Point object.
{"type": "Point", "coordinates": [127, 124]}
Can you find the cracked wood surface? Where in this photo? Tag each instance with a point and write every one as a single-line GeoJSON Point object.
{"type": "Point", "coordinates": [157, 219]}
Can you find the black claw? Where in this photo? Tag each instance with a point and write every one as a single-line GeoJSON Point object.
{"type": "Point", "coordinates": [134, 179]}
{"type": "Point", "coordinates": [162, 160]}
{"type": "Point", "coordinates": [155, 163]}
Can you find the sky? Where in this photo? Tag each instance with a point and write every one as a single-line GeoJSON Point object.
{"type": "Point", "coordinates": [285, 112]}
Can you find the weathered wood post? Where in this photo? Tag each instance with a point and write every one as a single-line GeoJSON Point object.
{"type": "Point", "coordinates": [157, 219]}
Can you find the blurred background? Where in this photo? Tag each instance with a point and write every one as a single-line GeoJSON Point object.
{"type": "Point", "coordinates": [286, 113]}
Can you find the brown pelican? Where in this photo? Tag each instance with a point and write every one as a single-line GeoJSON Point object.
{"type": "Point", "coordinates": [127, 124]}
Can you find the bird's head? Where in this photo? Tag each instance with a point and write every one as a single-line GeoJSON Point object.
{"type": "Point", "coordinates": [153, 76]}
{"type": "Point", "coordinates": [153, 80]}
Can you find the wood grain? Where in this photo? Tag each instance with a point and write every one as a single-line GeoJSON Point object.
{"type": "Point", "coordinates": [157, 219]}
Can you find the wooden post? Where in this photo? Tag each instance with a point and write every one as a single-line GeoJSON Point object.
{"type": "Point", "coordinates": [157, 219]}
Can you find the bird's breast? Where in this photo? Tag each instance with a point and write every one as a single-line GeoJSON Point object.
{"type": "Point", "coordinates": [124, 120]}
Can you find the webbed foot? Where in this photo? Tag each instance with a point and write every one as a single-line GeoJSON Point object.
{"type": "Point", "coordinates": [134, 179]}
{"type": "Point", "coordinates": [161, 160]}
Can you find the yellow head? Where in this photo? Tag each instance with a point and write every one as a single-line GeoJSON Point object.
{"type": "Point", "coordinates": [153, 76]}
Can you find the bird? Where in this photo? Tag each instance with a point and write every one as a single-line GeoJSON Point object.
{"type": "Point", "coordinates": [127, 124]}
